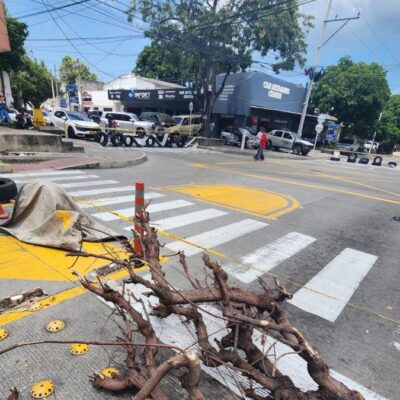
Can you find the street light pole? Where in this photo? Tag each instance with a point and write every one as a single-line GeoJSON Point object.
{"type": "Point", "coordinates": [373, 139]}
{"type": "Point", "coordinates": [314, 66]}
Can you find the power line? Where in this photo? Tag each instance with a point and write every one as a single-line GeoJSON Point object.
{"type": "Point", "coordinates": [53, 9]}
{"type": "Point", "coordinates": [376, 33]}
{"type": "Point", "coordinates": [86, 38]}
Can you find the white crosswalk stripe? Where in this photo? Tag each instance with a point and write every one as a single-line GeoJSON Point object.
{"type": "Point", "coordinates": [171, 330]}
{"type": "Point", "coordinates": [57, 178]}
{"type": "Point", "coordinates": [186, 219]}
{"type": "Point", "coordinates": [116, 200]}
{"type": "Point", "coordinates": [87, 184]}
{"type": "Point", "coordinates": [41, 173]}
{"type": "Point", "coordinates": [152, 208]}
{"type": "Point", "coordinates": [94, 192]}
{"type": "Point", "coordinates": [217, 236]}
{"type": "Point", "coordinates": [268, 257]}
{"type": "Point", "coordinates": [328, 292]}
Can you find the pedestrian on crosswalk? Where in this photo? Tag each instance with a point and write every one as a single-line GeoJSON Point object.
{"type": "Point", "coordinates": [262, 144]}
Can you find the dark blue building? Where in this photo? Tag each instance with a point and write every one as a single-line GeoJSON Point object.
{"type": "Point", "coordinates": [257, 99]}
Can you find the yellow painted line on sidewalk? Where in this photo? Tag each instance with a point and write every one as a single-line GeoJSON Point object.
{"type": "Point", "coordinates": [308, 185]}
{"type": "Point", "coordinates": [58, 298]}
{"type": "Point", "coordinates": [257, 202]}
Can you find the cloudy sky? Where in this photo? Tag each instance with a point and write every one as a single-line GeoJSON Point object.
{"type": "Point", "coordinates": [101, 36]}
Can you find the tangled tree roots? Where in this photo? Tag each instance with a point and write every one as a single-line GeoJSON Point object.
{"type": "Point", "coordinates": [242, 312]}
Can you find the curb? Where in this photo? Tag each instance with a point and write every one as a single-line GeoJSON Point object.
{"type": "Point", "coordinates": [107, 164]}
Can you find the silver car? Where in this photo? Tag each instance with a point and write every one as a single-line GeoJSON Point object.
{"type": "Point", "coordinates": [129, 123]}
{"type": "Point", "coordinates": [285, 139]}
{"type": "Point", "coordinates": [233, 136]}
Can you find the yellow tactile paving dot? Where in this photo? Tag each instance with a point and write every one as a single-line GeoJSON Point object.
{"type": "Point", "coordinates": [42, 389]}
{"type": "Point", "coordinates": [253, 201]}
{"type": "Point", "coordinates": [78, 349]}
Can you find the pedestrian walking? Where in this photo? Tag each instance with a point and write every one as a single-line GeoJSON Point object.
{"type": "Point", "coordinates": [262, 144]}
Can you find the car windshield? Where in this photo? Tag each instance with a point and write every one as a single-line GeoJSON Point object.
{"type": "Point", "coordinates": [177, 120]}
{"type": "Point", "coordinates": [136, 118]}
{"type": "Point", "coordinates": [75, 116]}
{"type": "Point", "coordinates": [346, 141]}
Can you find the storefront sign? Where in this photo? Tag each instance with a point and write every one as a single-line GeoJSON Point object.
{"type": "Point", "coordinates": [87, 99]}
{"type": "Point", "coordinates": [155, 96]}
{"type": "Point", "coordinates": [276, 91]}
{"type": "Point", "coordinates": [114, 94]}
{"type": "Point", "coordinates": [228, 91]}
{"type": "Point", "coordinates": [332, 132]}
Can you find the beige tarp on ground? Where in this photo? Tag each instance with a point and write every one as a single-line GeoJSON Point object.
{"type": "Point", "coordinates": [46, 215]}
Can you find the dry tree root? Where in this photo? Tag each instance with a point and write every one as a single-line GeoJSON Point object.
{"type": "Point", "coordinates": [14, 394]}
{"type": "Point", "coordinates": [242, 312]}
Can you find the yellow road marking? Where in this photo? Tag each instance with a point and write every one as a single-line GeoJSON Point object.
{"type": "Point", "coordinates": [312, 186]}
{"type": "Point", "coordinates": [25, 261]}
{"type": "Point", "coordinates": [258, 202]}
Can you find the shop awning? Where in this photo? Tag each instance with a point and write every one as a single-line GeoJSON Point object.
{"type": "Point", "coordinates": [329, 117]}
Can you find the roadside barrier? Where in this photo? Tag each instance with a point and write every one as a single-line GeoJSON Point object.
{"type": "Point", "coordinates": [377, 161]}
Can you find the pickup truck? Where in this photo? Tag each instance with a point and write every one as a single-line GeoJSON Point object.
{"type": "Point", "coordinates": [285, 139]}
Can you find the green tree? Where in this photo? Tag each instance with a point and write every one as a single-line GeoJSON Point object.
{"type": "Point", "coordinates": [357, 91]}
{"type": "Point", "coordinates": [17, 33]}
{"type": "Point", "coordinates": [31, 83]}
{"type": "Point", "coordinates": [71, 70]}
{"type": "Point", "coordinates": [222, 35]}
{"type": "Point", "coordinates": [388, 130]}
{"type": "Point", "coordinates": [165, 62]}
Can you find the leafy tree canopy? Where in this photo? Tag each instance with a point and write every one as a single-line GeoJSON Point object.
{"type": "Point", "coordinates": [71, 69]}
{"type": "Point", "coordinates": [31, 83]}
{"type": "Point", "coordinates": [222, 35]}
{"type": "Point", "coordinates": [17, 33]}
{"type": "Point", "coordinates": [165, 62]}
{"type": "Point", "coordinates": [388, 130]}
{"type": "Point", "coordinates": [357, 91]}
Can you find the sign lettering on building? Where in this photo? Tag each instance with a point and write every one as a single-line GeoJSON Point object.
{"type": "Point", "coordinates": [276, 91]}
{"type": "Point", "coordinates": [228, 90]}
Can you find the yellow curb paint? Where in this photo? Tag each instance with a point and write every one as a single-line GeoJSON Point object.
{"type": "Point", "coordinates": [29, 262]}
{"type": "Point", "coordinates": [258, 202]}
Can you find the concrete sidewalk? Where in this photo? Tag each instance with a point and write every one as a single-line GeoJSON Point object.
{"type": "Point", "coordinates": [94, 156]}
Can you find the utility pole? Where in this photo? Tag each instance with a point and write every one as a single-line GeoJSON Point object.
{"type": "Point", "coordinates": [316, 58]}
{"type": "Point", "coordinates": [314, 66]}
{"type": "Point", "coordinates": [373, 139]}
{"type": "Point", "coordinates": [52, 91]}
{"type": "Point", "coordinates": [55, 83]}
{"type": "Point", "coordinates": [79, 86]}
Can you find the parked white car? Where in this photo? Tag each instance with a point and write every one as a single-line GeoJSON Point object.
{"type": "Point", "coordinates": [233, 136]}
{"type": "Point", "coordinates": [129, 122]}
{"type": "Point", "coordinates": [350, 144]}
{"type": "Point", "coordinates": [369, 145]}
{"type": "Point", "coordinates": [75, 123]}
{"type": "Point", "coordinates": [285, 139]}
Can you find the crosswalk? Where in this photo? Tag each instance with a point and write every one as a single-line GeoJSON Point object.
{"type": "Point", "coordinates": [325, 295]}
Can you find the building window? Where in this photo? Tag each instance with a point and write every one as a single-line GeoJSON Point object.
{"type": "Point", "coordinates": [96, 108]}
{"type": "Point", "coordinates": [107, 109]}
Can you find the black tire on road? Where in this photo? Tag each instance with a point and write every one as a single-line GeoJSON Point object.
{"type": "Point", "coordinates": [128, 141]}
{"type": "Point", "coordinates": [116, 139]}
{"type": "Point", "coordinates": [8, 189]}
{"type": "Point", "coordinates": [352, 158]}
{"type": "Point", "coordinates": [377, 161]}
{"type": "Point", "coordinates": [103, 139]}
{"type": "Point", "coordinates": [140, 132]}
{"type": "Point", "coordinates": [363, 160]}
{"type": "Point", "coordinates": [297, 149]}
{"type": "Point", "coordinates": [392, 164]}
{"type": "Point", "coordinates": [180, 141]}
{"type": "Point", "coordinates": [150, 141]}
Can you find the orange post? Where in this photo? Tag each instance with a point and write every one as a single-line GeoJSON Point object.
{"type": "Point", "coordinates": [139, 204]}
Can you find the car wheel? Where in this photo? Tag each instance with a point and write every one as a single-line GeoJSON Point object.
{"type": "Point", "coordinates": [140, 132]}
{"type": "Point", "coordinates": [297, 149]}
{"type": "Point", "coordinates": [128, 141]}
{"type": "Point", "coordinates": [71, 133]}
{"type": "Point", "coordinates": [51, 124]}
{"type": "Point", "coordinates": [305, 151]}
{"type": "Point", "coordinates": [116, 139]}
{"type": "Point", "coordinates": [8, 189]}
{"type": "Point", "coordinates": [225, 141]}
{"type": "Point", "coordinates": [150, 141]}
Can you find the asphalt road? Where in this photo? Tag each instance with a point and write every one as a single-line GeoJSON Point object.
{"type": "Point", "coordinates": [325, 229]}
